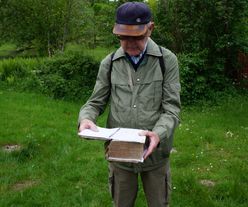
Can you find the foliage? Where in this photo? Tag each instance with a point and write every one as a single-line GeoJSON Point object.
{"type": "Point", "coordinates": [19, 72]}
{"type": "Point", "coordinates": [12, 70]}
{"type": "Point", "coordinates": [46, 25]}
{"type": "Point", "coordinates": [49, 25]}
{"type": "Point", "coordinates": [65, 76]}
{"type": "Point", "coordinates": [193, 81]}
{"type": "Point", "coordinates": [164, 30]}
{"type": "Point", "coordinates": [70, 76]}
{"type": "Point", "coordinates": [97, 24]}
{"type": "Point", "coordinates": [198, 81]}
{"type": "Point", "coordinates": [218, 27]}
{"type": "Point", "coordinates": [206, 36]}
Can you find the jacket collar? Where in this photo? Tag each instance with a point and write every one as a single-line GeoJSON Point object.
{"type": "Point", "coordinates": [152, 49]}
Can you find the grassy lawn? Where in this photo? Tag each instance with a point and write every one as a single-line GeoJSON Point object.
{"type": "Point", "coordinates": [51, 166]}
{"type": "Point", "coordinates": [97, 53]}
{"type": "Point", "coordinates": [6, 48]}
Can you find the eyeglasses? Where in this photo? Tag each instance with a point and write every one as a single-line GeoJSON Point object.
{"type": "Point", "coordinates": [129, 38]}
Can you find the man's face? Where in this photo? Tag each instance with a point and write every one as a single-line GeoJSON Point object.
{"type": "Point", "coordinates": [136, 45]}
{"type": "Point", "coordinates": [133, 45]}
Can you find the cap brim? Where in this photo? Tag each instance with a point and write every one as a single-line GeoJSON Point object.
{"type": "Point", "coordinates": [130, 30]}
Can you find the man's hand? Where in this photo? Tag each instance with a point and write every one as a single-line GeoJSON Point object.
{"type": "Point", "coordinates": [154, 141]}
{"type": "Point", "coordinates": [87, 124]}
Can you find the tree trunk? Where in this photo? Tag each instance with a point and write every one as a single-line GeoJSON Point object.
{"type": "Point", "coordinates": [49, 45]}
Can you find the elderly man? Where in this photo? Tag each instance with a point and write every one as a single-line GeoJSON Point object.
{"type": "Point", "coordinates": [140, 81]}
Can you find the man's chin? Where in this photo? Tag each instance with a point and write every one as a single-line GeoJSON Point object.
{"type": "Point", "coordinates": [133, 53]}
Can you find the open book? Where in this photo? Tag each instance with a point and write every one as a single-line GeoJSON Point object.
{"type": "Point", "coordinates": [118, 134]}
{"type": "Point", "coordinates": [126, 145]}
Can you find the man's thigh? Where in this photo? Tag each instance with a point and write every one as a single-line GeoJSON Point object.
{"type": "Point", "coordinates": [157, 186]}
{"type": "Point", "coordinates": [123, 186]}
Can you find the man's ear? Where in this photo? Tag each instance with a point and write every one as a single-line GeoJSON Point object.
{"type": "Point", "coordinates": [151, 28]}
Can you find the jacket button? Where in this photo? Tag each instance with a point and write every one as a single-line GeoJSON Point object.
{"type": "Point", "coordinates": [134, 105]}
{"type": "Point", "coordinates": [138, 79]}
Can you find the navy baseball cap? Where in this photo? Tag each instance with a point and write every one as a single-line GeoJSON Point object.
{"type": "Point", "coordinates": [132, 19]}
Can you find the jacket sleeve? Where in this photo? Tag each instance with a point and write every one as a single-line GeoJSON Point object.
{"type": "Point", "coordinates": [100, 95]}
{"type": "Point", "coordinates": [169, 118]}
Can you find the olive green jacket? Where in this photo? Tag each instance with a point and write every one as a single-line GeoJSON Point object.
{"type": "Point", "coordinates": [141, 99]}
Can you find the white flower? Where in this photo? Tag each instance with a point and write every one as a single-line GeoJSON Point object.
{"type": "Point", "coordinates": [229, 134]}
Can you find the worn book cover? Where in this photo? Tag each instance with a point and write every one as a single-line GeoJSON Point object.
{"type": "Point", "coordinates": [125, 151]}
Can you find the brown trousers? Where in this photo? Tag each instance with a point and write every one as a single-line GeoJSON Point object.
{"type": "Point", "coordinates": [123, 186]}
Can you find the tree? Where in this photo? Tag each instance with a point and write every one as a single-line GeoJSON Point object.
{"type": "Point", "coordinates": [45, 25]}
{"type": "Point", "coordinates": [215, 26]}
{"type": "Point", "coordinates": [97, 24]}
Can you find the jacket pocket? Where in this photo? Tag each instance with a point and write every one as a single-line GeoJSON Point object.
{"type": "Point", "coordinates": [121, 97]}
{"type": "Point", "coordinates": [150, 95]}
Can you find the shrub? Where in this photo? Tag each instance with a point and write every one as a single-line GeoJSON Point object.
{"type": "Point", "coordinates": [65, 76]}
{"type": "Point", "coordinates": [16, 72]}
{"type": "Point", "coordinates": [69, 76]}
{"type": "Point", "coordinates": [13, 70]}
{"type": "Point", "coordinates": [199, 79]}
{"type": "Point", "coordinates": [19, 73]}
{"type": "Point", "coordinates": [72, 76]}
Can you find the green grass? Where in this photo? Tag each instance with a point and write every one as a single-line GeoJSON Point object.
{"type": "Point", "coordinates": [56, 168]}
{"type": "Point", "coordinates": [97, 53]}
{"type": "Point", "coordinates": [5, 48]}
{"type": "Point", "coordinates": [212, 145]}
{"type": "Point", "coordinates": [10, 50]}
{"type": "Point", "coordinates": [66, 171]}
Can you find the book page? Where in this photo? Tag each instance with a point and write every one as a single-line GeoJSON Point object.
{"type": "Point", "coordinates": [103, 133]}
{"type": "Point", "coordinates": [128, 135]}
